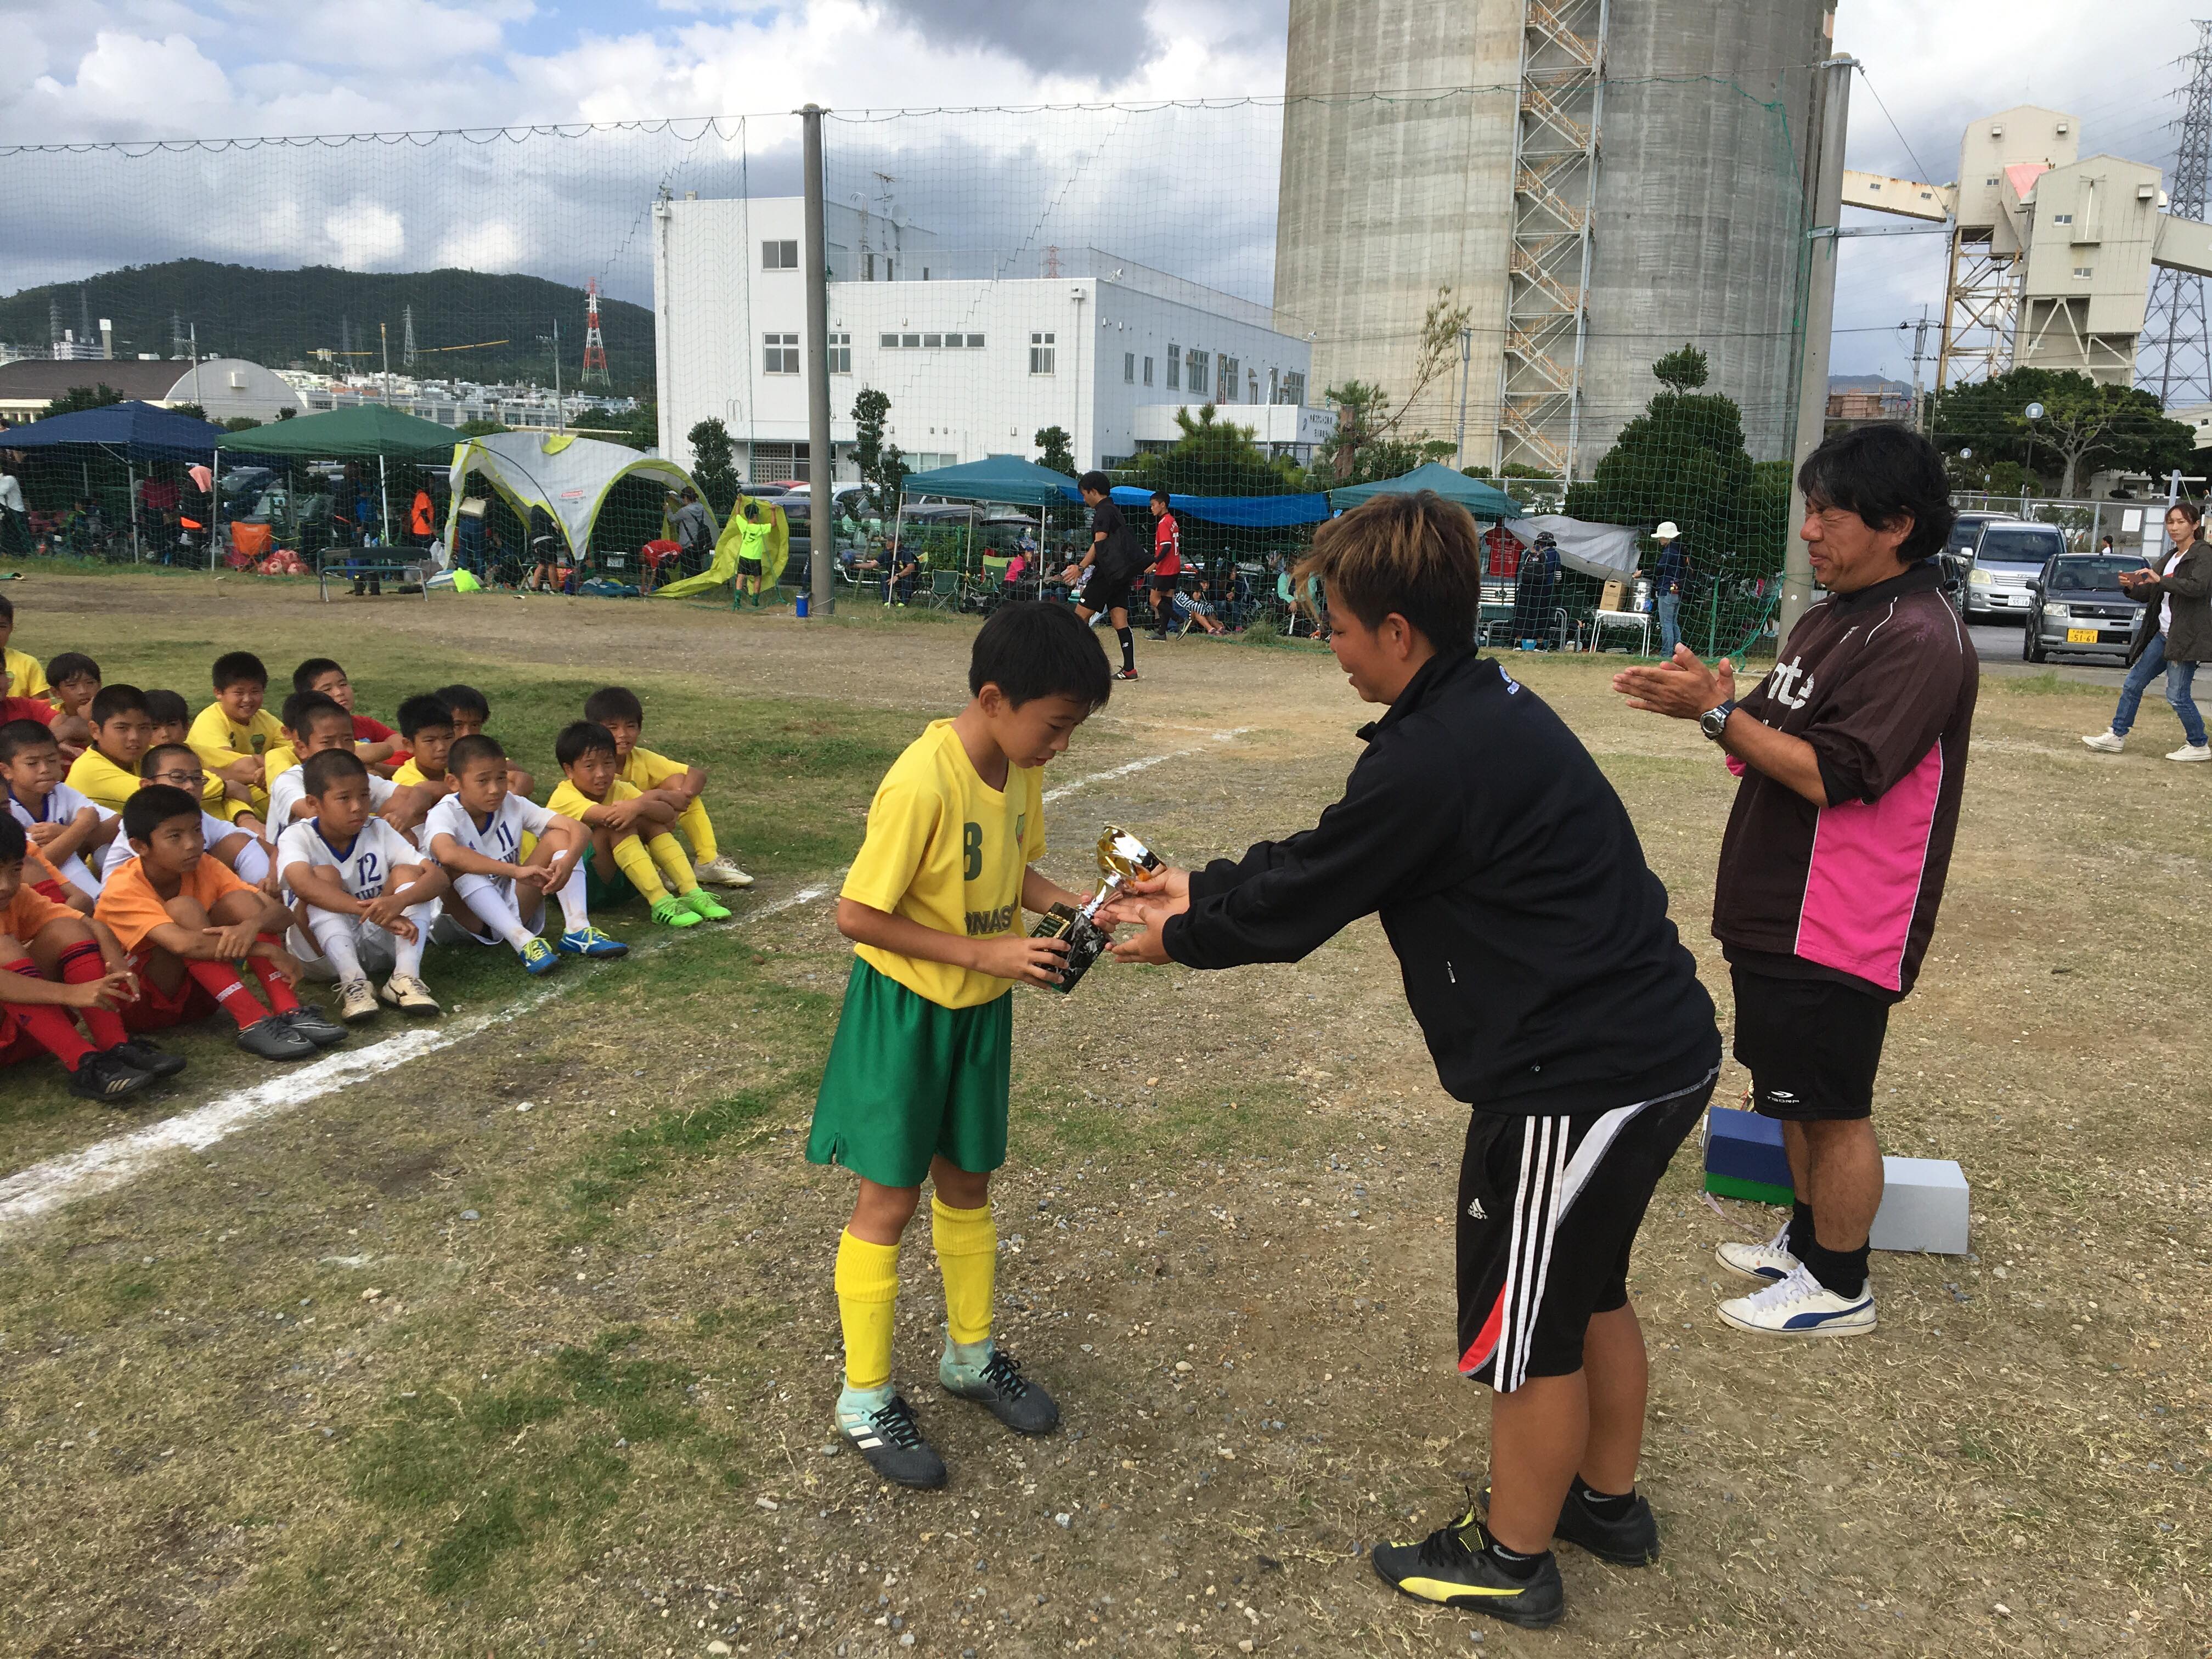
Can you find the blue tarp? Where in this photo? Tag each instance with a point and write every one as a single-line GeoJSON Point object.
{"type": "Point", "coordinates": [134, 429]}
{"type": "Point", "coordinates": [1246, 512]}
{"type": "Point", "coordinates": [1482, 499]}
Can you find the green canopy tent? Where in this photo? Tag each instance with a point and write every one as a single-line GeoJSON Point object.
{"type": "Point", "coordinates": [1484, 501]}
{"type": "Point", "coordinates": [1009, 478]}
{"type": "Point", "coordinates": [354, 433]}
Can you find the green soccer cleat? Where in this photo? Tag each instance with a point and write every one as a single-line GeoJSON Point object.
{"type": "Point", "coordinates": [703, 904]}
{"type": "Point", "coordinates": [673, 912]}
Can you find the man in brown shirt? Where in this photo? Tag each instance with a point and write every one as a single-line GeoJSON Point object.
{"type": "Point", "coordinates": [1852, 753]}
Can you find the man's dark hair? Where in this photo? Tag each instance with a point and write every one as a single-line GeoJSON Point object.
{"type": "Point", "coordinates": [301, 709]}
{"type": "Point", "coordinates": [1030, 650]}
{"type": "Point", "coordinates": [477, 745]}
{"type": "Point", "coordinates": [1096, 482]}
{"type": "Point", "coordinates": [579, 739]}
{"type": "Point", "coordinates": [71, 665]}
{"type": "Point", "coordinates": [13, 843]}
{"type": "Point", "coordinates": [423, 708]}
{"type": "Point", "coordinates": [1419, 556]}
{"type": "Point", "coordinates": [150, 761]}
{"type": "Point", "coordinates": [464, 699]}
{"type": "Point", "coordinates": [1161, 496]}
{"type": "Point", "coordinates": [329, 767]}
{"type": "Point", "coordinates": [305, 676]}
{"type": "Point", "coordinates": [1884, 473]}
{"type": "Point", "coordinates": [155, 805]}
{"type": "Point", "coordinates": [16, 736]}
{"type": "Point", "coordinates": [165, 708]}
{"type": "Point", "coordinates": [614, 702]}
{"type": "Point", "coordinates": [115, 700]}
{"type": "Point", "coordinates": [237, 668]}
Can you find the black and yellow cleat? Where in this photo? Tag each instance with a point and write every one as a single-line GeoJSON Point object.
{"type": "Point", "coordinates": [1631, 1539]}
{"type": "Point", "coordinates": [1453, 1568]}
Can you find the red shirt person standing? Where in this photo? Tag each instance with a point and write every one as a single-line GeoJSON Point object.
{"type": "Point", "coordinates": [1164, 575]}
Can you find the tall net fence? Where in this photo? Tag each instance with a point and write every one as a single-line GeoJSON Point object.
{"type": "Point", "coordinates": [1251, 305]}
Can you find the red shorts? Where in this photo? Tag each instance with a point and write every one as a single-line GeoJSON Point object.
{"type": "Point", "coordinates": [157, 1009]}
{"type": "Point", "coordinates": [16, 1043]}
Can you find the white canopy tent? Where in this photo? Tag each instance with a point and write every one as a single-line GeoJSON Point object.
{"type": "Point", "coordinates": [1606, 552]}
{"type": "Point", "coordinates": [568, 476]}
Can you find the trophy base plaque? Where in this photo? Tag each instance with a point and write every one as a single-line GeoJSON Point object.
{"type": "Point", "coordinates": [1122, 857]}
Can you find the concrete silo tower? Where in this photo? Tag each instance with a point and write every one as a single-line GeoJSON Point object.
{"type": "Point", "coordinates": [1599, 181]}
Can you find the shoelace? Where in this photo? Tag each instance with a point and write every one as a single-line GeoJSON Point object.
{"type": "Point", "coordinates": [1446, 1548]}
{"type": "Point", "coordinates": [1004, 1371]}
{"type": "Point", "coordinates": [1800, 1287]}
{"type": "Point", "coordinates": [895, 1422]}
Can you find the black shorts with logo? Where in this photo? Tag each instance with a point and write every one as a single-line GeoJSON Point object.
{"type": "Point", "coordinates": [1812, 1045]}
{"type": "Point", "coordinates": [1549, 1211]}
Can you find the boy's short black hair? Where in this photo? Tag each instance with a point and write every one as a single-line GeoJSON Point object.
{"type": "Point", "coordinates": [464, 699]}
{"type": "Point", "coordinates": [234, 668]}
{"type": "Point", "coordinates": [16, 736]}
{"type": "Point", "coordinates": [321, 771]}
{"type": "Point", "coordinates": [302, 708]}
{"type": "Point", "coordinates": [477, 745]}
{"type": "Point", "coordinates": [1883, 473]}
{"type": "Point", "coordinates": [115, 700]}
{"type": "Point", "coordinates": [579, 739]}
{"type": "Point", "coordinates": [1096, 482]}
{"type": "Point", "coordinates": [155, 805]}
{"type": "Point", "coordinates": [423, 708]}
{"type": "Point", "coordinates": [1030, 650]}
{"type": "Point", "coordinates": [150, 763]}
{"type": "Point", "coordinates": [14, 845]}
{"type": "Point", "coordinates": [305, 676]}
{"type": "Point", "coordinates": [614, 702]}
{"type": "Point", "coordinates": [1161, 496]}
{"type": "Point", "coordinates": [165, 707]}
{"type": "Point", "coordinates": [71, 666]}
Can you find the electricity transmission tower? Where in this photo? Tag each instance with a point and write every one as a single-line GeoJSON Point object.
{"type": "Point", "coordinates": [2178, 340]}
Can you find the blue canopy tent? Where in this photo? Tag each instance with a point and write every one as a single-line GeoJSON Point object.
{"type": "Point", "coordinates": [132, 432]}
{"type": "Point", "coordinates": [994, 478]}
{"type": "Point", "coordinates": [1244, 512]}
{"type": "Point", "coordinates": [1484, 501]}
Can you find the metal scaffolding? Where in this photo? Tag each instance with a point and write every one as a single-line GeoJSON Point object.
{"type": "Point", "coordinates": [2177, 356]}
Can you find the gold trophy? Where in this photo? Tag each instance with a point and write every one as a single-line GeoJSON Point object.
{"type": "Point", "coordinates": [1122, 858]}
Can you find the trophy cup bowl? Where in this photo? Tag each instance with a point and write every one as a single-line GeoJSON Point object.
{"type": "Point", "coordinates": [1122, 858]}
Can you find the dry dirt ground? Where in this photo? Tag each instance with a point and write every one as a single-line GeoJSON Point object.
{"type": "Point", "coordinates": [527, 1346]}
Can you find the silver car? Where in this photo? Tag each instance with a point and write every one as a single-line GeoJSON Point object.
{"type": "Point", "coordinates": [2079, 608]}
{"type": "Point", "coordinates": [2008, 555]}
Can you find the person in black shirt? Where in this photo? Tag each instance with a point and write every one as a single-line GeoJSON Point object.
{"type": "Point", "coordinates": [1105, 573]}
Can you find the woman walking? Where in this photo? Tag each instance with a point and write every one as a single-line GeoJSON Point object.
{"type": "Point", "coordinates": [2175, 634]}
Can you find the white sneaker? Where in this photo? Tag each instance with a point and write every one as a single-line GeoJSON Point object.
{"type": "Point", "coordinates": [722, 871]}
{"type": "Point", "coordinates": [2196, 751]}
{"type": "Point", "coordinates": [1766, 1262]}
{"type": "Point", "coordinates": [1800, 1305]}
{"type": "Point", "coordinates": [411, 996]}
{"type": "Point", "coordinates": [2106, 743]}
{"type": "Point", "coordinates": [356, 1001]}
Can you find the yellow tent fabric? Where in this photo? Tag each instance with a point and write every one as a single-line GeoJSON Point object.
{"type": "Point", "coordinates": [775, 553]}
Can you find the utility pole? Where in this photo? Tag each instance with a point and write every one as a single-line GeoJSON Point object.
{"type": "Point", "coordinates": [1919, 327]}
{"type": "Point", "coordinates": [1465, 355]}
{"type": "Point", "coordinates": [383, 472]}
{"type": "Point", "coordinates": [821, 506]}
{"type": "Point", "coordinates": [1824, 207]}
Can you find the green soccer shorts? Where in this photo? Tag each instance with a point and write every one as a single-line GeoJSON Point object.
{"type": "Point", "coordinates": [909, 1081]}
{"type": "Point", "coordinates": [604, 889]}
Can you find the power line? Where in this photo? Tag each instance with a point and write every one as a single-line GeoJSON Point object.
{"type": "Point", "coordinates": [1920, 166]}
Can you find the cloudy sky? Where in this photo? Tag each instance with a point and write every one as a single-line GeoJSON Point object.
{"type": "Point", "coordinates": [143, 69]}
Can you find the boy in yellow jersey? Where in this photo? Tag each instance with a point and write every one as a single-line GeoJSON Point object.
{"type": "Point", "coordinates": [30, 679]}
{"type": "Point", "coordinates": [235, 734]}
{"type": "Point", "coordinates": [917, 1078]}
{"type": "Point", "coordinates": [629, 833]}
{"type": "Point", "coordinates": [472, 712]}
{"type": "Point", "coordinates": [107, 774]}
{"type": "Point", "coordinates": [426, 726]}
{"type": "Point", "coordinates": [172, 721]}
{"type": "Point", "coordinates": [683, 787]}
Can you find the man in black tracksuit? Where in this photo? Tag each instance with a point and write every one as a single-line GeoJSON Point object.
{"type": "Point", "coordinates": [1556, 1001]}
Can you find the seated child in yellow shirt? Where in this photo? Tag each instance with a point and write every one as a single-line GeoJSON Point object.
{"type": "Point", "coordinates": [72, 681]}
{"type": "Point", "coordinates": [172, 721]}
{"type": "Point", "coordinates": [683, 787]}
{"type": "Point", "coordinates": [235, 734]}
{"type": "Point", "coordinates": [629, 833]}
{"type": "Point", "coordinates": [426, 726]}
{"type": "Point", "coordinates": [107, 774]}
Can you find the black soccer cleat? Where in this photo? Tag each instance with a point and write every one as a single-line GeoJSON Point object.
{"type": "Point", "coordinates": [311, 1023]}
{"type": "Point", "coordinates": [149, 1058]}
{"type": "Point", "coordinates": [892, 1441]}
{"type": "Point", "coordinates": [1631, 1541]}
{"type": "Point", "coordinates": [106, 1075]}
{"type": "Point", "coordinates": [272, 1039]}
{"type": "Point", "coordinates": [1452, 1568]}
{"type": "Point", "coordinates": [999, 1388]}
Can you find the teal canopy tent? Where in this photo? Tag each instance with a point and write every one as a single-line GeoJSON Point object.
{"type": "Point", "coordinates": [1485, 500]}
{"type": "Point", "coordinates": [994, 478]}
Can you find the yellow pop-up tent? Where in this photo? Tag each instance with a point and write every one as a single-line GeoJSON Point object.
{"type": "Point", "coordinates": [775, 552]}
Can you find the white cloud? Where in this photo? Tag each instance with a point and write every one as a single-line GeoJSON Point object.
{"type": "Point", "coordinates": [365, 235]}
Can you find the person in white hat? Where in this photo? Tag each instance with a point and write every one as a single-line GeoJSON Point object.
{"type": "Point", "coordinates": [1667, 584]}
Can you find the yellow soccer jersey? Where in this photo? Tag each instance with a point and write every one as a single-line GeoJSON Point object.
{"type": "Point", "coordinates": [25, 678]}
{"type": "Point", "coordinates": [573, 803]}
{"type": "Point", "coordinates": [945, 849]}
{"type": "Point", "coordinates": [643, 770]}
{"type": "Point", "coordinates": [220, 744]}
{"type": "Point", "coordinates": [277, 759]}
{"type": "Point", "coordinates": [100, 781]}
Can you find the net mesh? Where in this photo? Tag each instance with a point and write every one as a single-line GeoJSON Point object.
{"type": "Point", "coordinates": [1161, 291]}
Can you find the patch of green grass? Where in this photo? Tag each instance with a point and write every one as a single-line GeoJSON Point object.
{"type": "Point", "coordinates": [610, 1174]}
{"type": "Point", "coordinates": [2049, 683]}
{"type": "Point", "coordinates": [1194, 1122]}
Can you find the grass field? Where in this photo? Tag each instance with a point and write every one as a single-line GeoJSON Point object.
{"type": "Point", "coordinates": [526, 1344]}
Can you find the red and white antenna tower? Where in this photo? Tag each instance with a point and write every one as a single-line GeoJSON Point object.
{"type": "Point", "coordinates": [595, 349]}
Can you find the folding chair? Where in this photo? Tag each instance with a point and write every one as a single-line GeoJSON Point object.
{"type": "Point", "coordinates": [943, 590]}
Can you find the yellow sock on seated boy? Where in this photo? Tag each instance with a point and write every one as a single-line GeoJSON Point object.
{"type": "Point", "coordinates": [631, 850]}
{"type": "Point", "coordinates": [917, 1081]}
{"type": "Point", "coordinates": [683, 787]}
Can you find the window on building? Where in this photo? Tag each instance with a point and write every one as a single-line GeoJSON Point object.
{"type": "Point", "coordinates": [1128, 368]}
{"type": "Point", "coordinates": [888, 341]}
{"type": "Point", "coordinates": [780, 354]}
{"type": "Point", "coordinates": [1044, 355]}
{"type": "Point", "coordinates": [1294, 388]}
{"type": "Point", "coordinates": [1174, 366]}
{"type": "Point", "coordinates": [840, 354]}
{"type": "Point", "coordinates": [889, 275]}
{"type": "Point", "coordinates": [1228, 380]}
{"type": "Point", "coordinates": [2061, 218]}
{"type": "Point", "coordinates": [1148, 371]}
{"type": "Point", "coordinates": [780, 256]}
{"type": "Point", "coordinates": [932, 341]}
{"type": "Point", "coordinates": [1274, 386]}
{"type": "Point", "coordinates": [2084, 271]}
{"type": "Point", "coordinates": [910, 342]}
{"type": "Point", "coordinates": [1199, 365]}
{"type": "Point", "coordinates": [974, 343]}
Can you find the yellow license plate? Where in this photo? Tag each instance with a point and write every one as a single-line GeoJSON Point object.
{"type": "Point", "coordinates": [2080, 636]}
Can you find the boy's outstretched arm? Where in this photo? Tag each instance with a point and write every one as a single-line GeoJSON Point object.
{"type": "Point", "coordinates": [1039, 892]}
{"type": "Point", "coordinates": [1004, 955]}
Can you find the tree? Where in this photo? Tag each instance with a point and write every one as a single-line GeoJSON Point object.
{"type": "Point", "coordinates": [80, 398]}
{"type": "Point", "coordinates": [2086, 427]}
{"type": "Point", "coordinates": [882, 466]}
{"type": "Point", "coordinates": [479, 430]}
{"type": "Point", "coordinates": [1059, 449]}
{"type": "Point", "coordinates": [713, 465]}
{"type": "Point", "coordinates": [190, 411]}
{"type": "Point", "coordinates": [1365, 420]}
{"type": "Point", "coordinates": [1681, 371]}
{"type": "Point", "coordinates": [1215, 457]}
{"type": "Point", "coordinates": [641, 428]}
{"type": "Point", "coordinates": [240, 423]}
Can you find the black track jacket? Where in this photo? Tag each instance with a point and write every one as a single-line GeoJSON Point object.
{"type": "Point", "coordinates": [1534, 943]}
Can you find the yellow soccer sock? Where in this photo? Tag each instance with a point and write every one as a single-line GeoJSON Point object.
{"type": "Point", "coordinates": [967, 1254]}
{"type": "Point", "coordinates": [867, 1290]}
{"type": "Point", "coordinates": [634, 862]}
{"type": "Point", "coordinates": [674, 867]}
{"type": "Point", "coordinates": [699, 830]}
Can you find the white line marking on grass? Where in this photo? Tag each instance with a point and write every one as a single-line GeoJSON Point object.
{"type": "Point", "coordinates": [1150, 761]}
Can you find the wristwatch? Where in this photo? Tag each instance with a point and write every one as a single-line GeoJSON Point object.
{"type": "Point", "coordinates": [1714, 721]}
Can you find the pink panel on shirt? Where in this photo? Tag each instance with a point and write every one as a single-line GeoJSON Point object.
{"type": "Point", "coordinates": [1863, 882]}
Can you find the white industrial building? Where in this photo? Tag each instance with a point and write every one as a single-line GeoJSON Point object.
{"type": "Point", "coordinates": [974, 360]}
